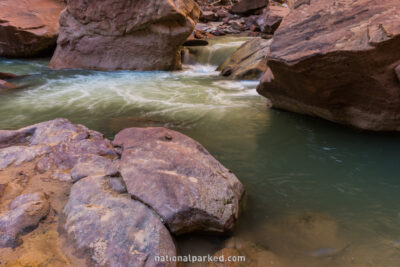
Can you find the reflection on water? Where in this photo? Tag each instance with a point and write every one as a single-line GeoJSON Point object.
{"type": "Point", "coordinates": [291, 165]}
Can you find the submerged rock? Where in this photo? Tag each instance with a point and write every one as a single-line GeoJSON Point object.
{"type": "Point", "coordinates": [146, 35]}
{"type": "Point", "coordinates": [246, 254]}
{"type": "Point", "coordinates": [25, 212]}
{"type": "Point", "coordinates": [248, 62]}
{"type": "Point", "coordinates": [117, 230]}
{"type": "Point", "coordinates": [179, 179]}
{"type": "Point", "coordinates": [307, 234]}
{"type": "Point", "coordinates": [336, 61]}
{"type": "Point", "coordinates": [6, 85]}
{"type": "Point", "coordinates": [7, 76]}
{"type": "Point", "coordinates": [28, 28]}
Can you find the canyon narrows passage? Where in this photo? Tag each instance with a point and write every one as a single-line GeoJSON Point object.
{"type": "Point", "coordinates": [289, 164]}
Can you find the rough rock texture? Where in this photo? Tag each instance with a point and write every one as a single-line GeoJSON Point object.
{"type": "Point", "coordinates": [61, 145]}
{"type": "Point", "coordinates": [179, 179]}
{"type": "Point", "coordinates": [146, 35]}
{"type": "Point", "coordinates": [293, 4]}
{"type": "Point", "coordinates": [28, 28]}
{"type": "Point", "coordinates": [248, 62]}
{"type": "Point", "coordinates": [248, 7]}
{"type": "Point", "coordinates": [25, 212]}
{"type": "Point", "coordinates": [118, 230]}
{"type": "Point", "coordinates": [271, 18]}
{"type": "Point", "coordinates": [174, 185]}
{"type": "Point", "coordinates": [336, 60]}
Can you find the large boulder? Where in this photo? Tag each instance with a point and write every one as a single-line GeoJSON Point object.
{"type": "Point", "coordinates": [179, 179]}
{"type": "Point", "coordinates": [248, 62]}
{"type": "Point", "coordinates": [115, 229]}
{"type": "Point", "coordinates": [114, 204]}
{"type": "Point", "coordinates": [145, 35]}
{"type": "Point", "coordinates": [336, 60]}
{"type": "Point", "coordinates": [28, 28]}
{"type": "Point", "coordinates": [248, 7]}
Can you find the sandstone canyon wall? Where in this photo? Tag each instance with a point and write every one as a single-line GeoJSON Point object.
{"type": "Point", "coordinates": [28, 28]}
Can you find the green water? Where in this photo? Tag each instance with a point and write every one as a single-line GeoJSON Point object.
{"type": "Point", "coordinates": [289, 163]}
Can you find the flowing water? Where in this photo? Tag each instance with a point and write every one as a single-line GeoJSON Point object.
{"type": "Point", "coordinates": [347, 183]}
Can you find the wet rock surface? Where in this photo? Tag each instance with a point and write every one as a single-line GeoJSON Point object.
{"type": "Point", "coordinates": [4, 85]}
{"type": "Point", "coordinates": [179, 179]}
{"type": "Point", "coordinates": [147, 35]}
{"type": "Point", "coordinates": [28, 28]}
{"type": "Point", "coordinates": [243, 253]}
{"type": "Point", "coordinates": [249, 62]}
{"type": "Point", "coordinates": [336, 60]}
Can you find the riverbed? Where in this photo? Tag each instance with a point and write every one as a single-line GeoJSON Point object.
{"type": "Point", "coordinates": [291, 165]}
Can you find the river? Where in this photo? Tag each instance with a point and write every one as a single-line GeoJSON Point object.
{"type": "Point", "coordinates": [291, 165]}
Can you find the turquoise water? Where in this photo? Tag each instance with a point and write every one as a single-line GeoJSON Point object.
{"type": "Point", "coordinates": [289, 164]}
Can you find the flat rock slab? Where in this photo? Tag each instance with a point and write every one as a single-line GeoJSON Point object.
{"type": "Point", "coordinates": [25, 212]}
{"type": "Point", "coordinates": [117, 230]}
{"type": "Point", "coordinates": [59, 146]}
{"type": "Point", "coordinates": [179, 179]}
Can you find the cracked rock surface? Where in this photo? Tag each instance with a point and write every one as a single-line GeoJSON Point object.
{"type": "Point", "coordinates": [69, 195]}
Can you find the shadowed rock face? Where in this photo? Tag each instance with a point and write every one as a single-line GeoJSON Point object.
{"type": "Point", "coordinates": [248, 62]}
{"type": "Point", "coordinates": [336, 60]}
{"type": "Point", "coordinates": [117, 230]}
{"type": "Point", "coordinates": [28, 28]}
{"type": "Point", "coordinates": [144, 35]}
{"type": "Point", "coordinates": [179, 179]}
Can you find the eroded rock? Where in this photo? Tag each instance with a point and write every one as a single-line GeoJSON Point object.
{"type": "Point", "coordinates": [248, 7]}
{"type": "Point", "coordinates": [146, 35]}
{"type": "Point", "coordinates": [271, 18]}
{"type": "Point", "coordinates": [25, 212]}
{"type": "Point", "coordinates": [117, 230]}
{"type": "Point", "coordinates": [28, 28]}
{"type": "Point", "coordinates": [335, 59]}
{"type": "Point", "coordinates": [248, 62]}
{"type": "Point", "coordinates": [179, 179]}
{"type": "Point", "coordinates": [61, 146]}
